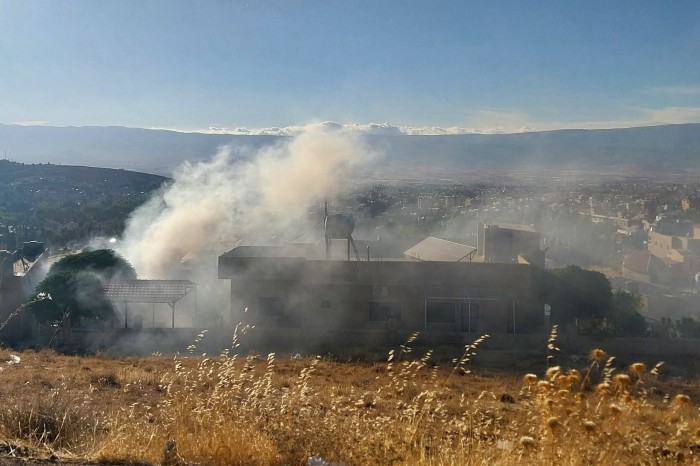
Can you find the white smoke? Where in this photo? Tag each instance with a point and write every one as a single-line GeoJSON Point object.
{"type": "Point", "coordinates": [238, 195]}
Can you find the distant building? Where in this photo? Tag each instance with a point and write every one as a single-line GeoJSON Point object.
{"type": "Point", "coordinates": [509, 243]}
{"type": "Point", "coordinates": [20, 272]}
{"type": "Point", "coordinates": [685, 204]}
{"type": "Point", "coordinates": [624, 225]}
{"type": "Point", "coordinates": [675, 251]}
{"type": "Point", "coordinates": [643, 266]}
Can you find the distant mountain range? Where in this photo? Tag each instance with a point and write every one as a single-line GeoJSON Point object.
{"type": "Point", "coordinates": [667, 148]}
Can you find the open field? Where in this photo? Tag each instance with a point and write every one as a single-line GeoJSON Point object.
{"type": "Point", "coordinates": [283, 409]}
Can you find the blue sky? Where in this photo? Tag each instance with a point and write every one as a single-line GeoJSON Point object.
{"type": "Point", "coordinates": [458, 65]}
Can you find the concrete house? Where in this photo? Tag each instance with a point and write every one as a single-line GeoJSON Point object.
{"type": "Point", "coordinates": [296, 287]}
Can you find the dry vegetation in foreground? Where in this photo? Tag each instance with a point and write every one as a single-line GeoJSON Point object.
{"type": "Point", "coordinates": [234, 410]}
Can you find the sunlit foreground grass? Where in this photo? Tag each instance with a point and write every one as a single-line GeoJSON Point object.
{"type": "Point", "coordinates": [228, 410]}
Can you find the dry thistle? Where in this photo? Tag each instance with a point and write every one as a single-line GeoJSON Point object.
{"type": "Point", "coordinates": [590, 426]}
{"type": "Point", "coordinates": [553, 422]}
{"type": "Point", "coordinates": [552, 372]}
{"type": "Point", "coordinates": [615, 409]}
{"type": "Point", "coordinates": [637, 369]}
{"type": "Point", "coordinates": [527, 442]}
{"type": "Point", "coordinates": [621, 381]}
{"type": "Point", "coordinates": [602, 388]}
{"type": "Point", "coordinates": [543, 385]}
{"type": "Point", "coordinates": [681, 400]}
{"type": "Point", "coordinates": [574, 376]}
{"type": "Point", "coordinates": [530, 379]}
{"type": "Point", "coordinates": [562, 381]}
{"type": "Point", "coordinates": [597, 355]}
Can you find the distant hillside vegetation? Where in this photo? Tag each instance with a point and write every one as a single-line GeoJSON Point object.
{"type": "Point", "coordinates": [13, 172]}
{"type": "Point", "coordinates": [61, 204]}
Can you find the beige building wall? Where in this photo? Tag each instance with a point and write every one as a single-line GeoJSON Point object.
{"type": "Point", "coordinates": [659, 244]}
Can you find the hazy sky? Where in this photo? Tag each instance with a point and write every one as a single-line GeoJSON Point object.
{"type": "Point", "coordinates": [484, 65]}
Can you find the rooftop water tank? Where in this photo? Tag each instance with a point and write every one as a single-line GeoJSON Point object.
{"type": "Point", "coordinates": [339, 226]}
{"type": "Point", "coordinates": [32, 249]}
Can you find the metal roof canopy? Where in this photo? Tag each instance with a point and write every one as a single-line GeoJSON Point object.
{"type": "Point", "coordinates": [149, 291]}
{"type": "Point", "coordinates": [440, 250]}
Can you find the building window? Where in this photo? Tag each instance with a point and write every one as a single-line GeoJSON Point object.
{"type": "Point", "coordinates": [469, 317]}
{"type": "Point", "coordinates": [440, 313]}
{"type": "Point", "coordinates": [270, 307]}
{"type": "Point", "coordinates": [384, 311]}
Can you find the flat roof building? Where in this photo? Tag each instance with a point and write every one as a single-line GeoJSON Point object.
{"type": "Point", "coordinates": [293, 287]}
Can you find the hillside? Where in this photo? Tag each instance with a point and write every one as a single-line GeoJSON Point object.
{"type": "Point", "coordinates": [60, 203]}
{"type": "Point", "coordinates": [15, 172]}
{"type": "Point", "coordinates": [645, 149]}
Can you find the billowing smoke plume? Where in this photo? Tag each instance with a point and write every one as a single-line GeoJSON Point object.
{"type": "Point", "coordinates": [239, 195]}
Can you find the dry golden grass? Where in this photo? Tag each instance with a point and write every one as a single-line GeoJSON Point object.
{"type": "Point", "coordinates": [270, 410]}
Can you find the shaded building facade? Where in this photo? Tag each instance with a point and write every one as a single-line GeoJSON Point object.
{"type": "Point", "coordinates": [292, 286]}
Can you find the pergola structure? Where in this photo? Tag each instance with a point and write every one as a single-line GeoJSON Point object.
{"type": "Point", "coordinates": [149, 291]}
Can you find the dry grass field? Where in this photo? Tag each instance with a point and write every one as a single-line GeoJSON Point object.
{"type": "Point", "coordinates": [282, 410]}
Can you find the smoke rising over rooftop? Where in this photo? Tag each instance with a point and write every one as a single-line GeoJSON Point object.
{"type": "Point", "coordinates": [239, 194]}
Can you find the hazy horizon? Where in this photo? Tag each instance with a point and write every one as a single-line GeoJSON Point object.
{"type": "Point", "coordinates": [382, 129]}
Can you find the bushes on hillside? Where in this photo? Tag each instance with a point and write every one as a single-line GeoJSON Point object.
{"type": "Point", "coordinates": [585, 298]}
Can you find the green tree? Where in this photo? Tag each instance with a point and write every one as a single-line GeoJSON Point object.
{"type": "Point", "coordinates": [625, 315]}
{"type": "Point", "coordinates": [74, 284]}
{"type": "Point", "coordinates": [586, 297]}
{"type": "Point", "coordinates": [576, 294]}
